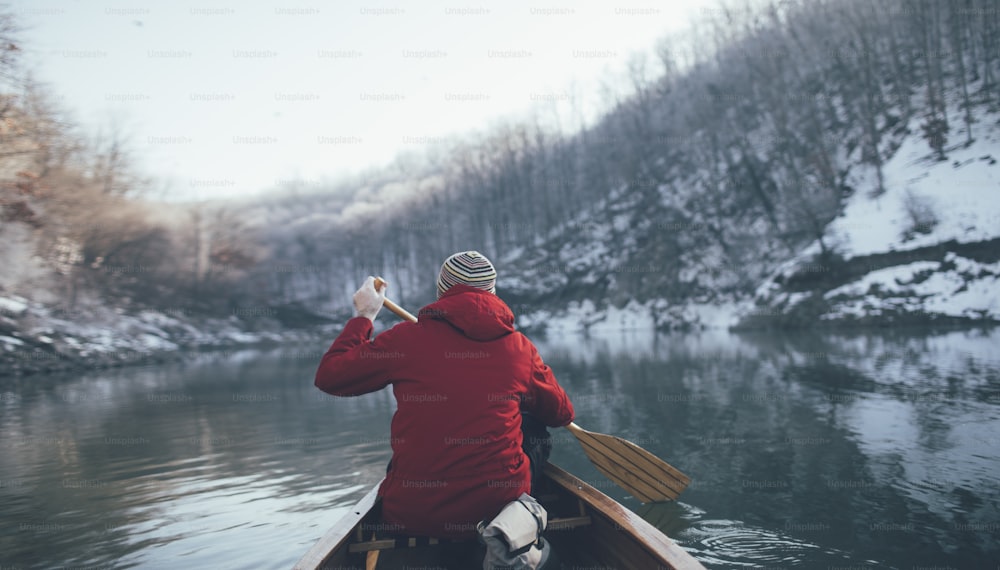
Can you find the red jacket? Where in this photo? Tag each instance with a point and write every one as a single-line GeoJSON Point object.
{"type": "Point", "coordinates": [461, 376]}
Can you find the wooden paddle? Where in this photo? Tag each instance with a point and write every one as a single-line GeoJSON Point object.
{"type": "Point", "coordinates": [644, 475]}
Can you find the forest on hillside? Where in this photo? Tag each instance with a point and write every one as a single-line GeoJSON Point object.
{"type": "Point", "coordinates": [711, 164]}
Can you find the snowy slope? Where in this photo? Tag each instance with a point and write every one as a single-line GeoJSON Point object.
{"type": "Point", "coordinates": [895, 266]}
{"type": "Point", "coordinates": [927, 205]}
{"type": "Point", "coordinates": [963, 194]}
{"type": "Point", "coordinates": [956, 287]}
{"type": "Point", "coordinates": [658, 314]}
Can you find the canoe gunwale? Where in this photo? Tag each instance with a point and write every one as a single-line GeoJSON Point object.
{"type": "Point", "coordinates": [338, 535]}
{"type": "Point", "coordinates": [624, 521]}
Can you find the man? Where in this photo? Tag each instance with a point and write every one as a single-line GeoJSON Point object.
{"type": "Point", "coordinates": [462, 377]}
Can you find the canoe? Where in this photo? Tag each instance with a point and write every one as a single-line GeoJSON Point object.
{"type": "Point", "coordinates": [586, 529]}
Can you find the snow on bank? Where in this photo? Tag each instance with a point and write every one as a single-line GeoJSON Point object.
{"type": "Point", "coordinates": [584, 316]}
{"type": "Point", "coordinates": [36, 337]}
{"type": "Point", "coordinates": [592, 346]}
{"type": "Point", "coordinates": [634, 316]}
{"type": "Point", "coordinates": [13, 305]}
{"type": "Point", "coordinates": [957, 287]}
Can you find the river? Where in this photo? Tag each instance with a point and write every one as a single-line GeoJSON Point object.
{"type": "Point", "coordinates": [807, 450]}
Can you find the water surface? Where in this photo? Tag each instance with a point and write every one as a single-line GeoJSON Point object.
{"type": "Point", "coordinates": [806, 451]}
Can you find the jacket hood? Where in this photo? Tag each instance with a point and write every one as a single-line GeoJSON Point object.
{"type": "Point", "coordinates": [480, 315]}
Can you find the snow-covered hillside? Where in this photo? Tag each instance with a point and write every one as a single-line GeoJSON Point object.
{"type": "Point", "coordinates": [926, 250]}
{"type": "Point", "coordinates": [960, 198]}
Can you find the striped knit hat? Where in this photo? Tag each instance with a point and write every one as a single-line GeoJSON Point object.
{"type": "Point", "coordinates": [468, 268]}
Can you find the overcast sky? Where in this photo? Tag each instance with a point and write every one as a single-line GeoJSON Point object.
{"type": "Point", "coordinates": [223, 98]}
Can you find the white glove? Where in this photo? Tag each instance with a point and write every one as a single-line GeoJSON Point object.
{"type": "Point", "coordinates": [368, 301]}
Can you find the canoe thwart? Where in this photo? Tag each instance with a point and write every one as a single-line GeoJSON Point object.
{"type": "Point", "coordinates": [567, 523]}
{"type": "Point", "coordinates": [397, 542]}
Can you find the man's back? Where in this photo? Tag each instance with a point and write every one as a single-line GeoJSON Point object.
{"type": "Point", "coordinates": [461, 377]}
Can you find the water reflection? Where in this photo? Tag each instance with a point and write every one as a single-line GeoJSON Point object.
{"type": "Point", "coordinates": [222, 461]}
{"type": "Point", "coordinates": [809, 450]}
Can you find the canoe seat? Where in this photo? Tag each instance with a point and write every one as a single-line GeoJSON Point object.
{"type": "Point", "coordinates": [397, 542]}
{"type": "Point", "coordinates": [567, 523]}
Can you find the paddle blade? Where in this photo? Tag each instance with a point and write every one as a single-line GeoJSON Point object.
{"type": "Point", "coordinates": [644, 475]}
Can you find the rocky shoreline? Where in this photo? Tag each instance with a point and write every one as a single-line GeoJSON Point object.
{"type": "Point", "coordinates": [947, 284]}
{"type": "Point", "coordinates": [36, 339]}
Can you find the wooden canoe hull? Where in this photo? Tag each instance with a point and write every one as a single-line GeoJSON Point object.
{"type": "Point", "coordinates": [587, 528]}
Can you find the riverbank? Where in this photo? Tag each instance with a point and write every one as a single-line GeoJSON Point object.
{"type": "Point", "coordinates": [36, 339]}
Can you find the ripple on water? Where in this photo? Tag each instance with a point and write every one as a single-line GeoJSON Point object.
{"type": "Point", "coordinates": [732, 544]}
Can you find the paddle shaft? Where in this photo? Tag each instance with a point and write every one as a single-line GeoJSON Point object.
{"type": "Point", "coordinates": [399, 311]}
